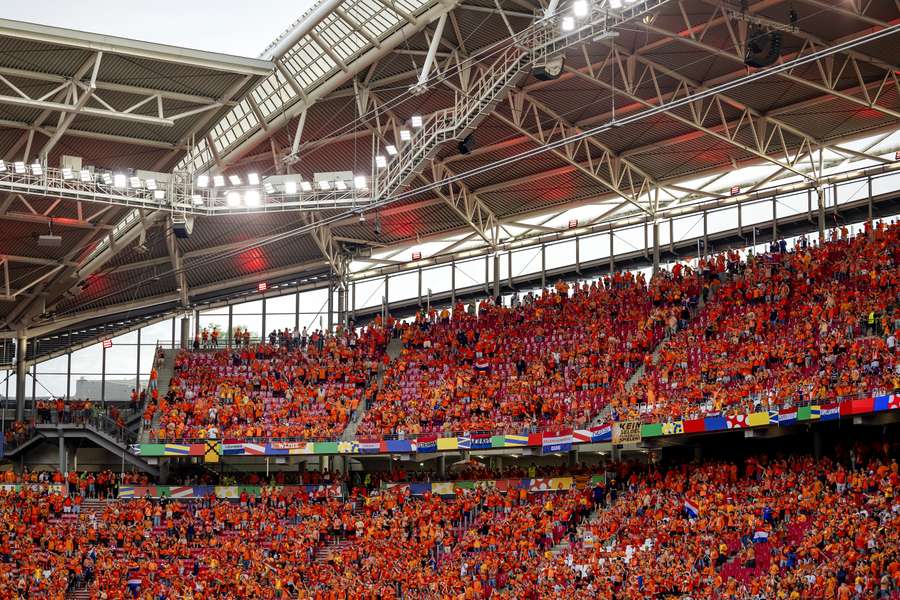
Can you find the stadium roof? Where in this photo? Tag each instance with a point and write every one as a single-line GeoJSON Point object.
{"type": "Point", "coordinates": [340, 92]}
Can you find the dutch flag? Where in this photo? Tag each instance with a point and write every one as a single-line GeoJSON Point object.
{"type": "Point", "coordinates": [691, 509]}
{"type": "Point", "coordinates": [760, 537]}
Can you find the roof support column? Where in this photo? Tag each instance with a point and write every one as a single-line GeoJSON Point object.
{"type": "Point", "coordinates": [419, 87]}
{"type": "Point", "coordinates": [496, 274]}
{"type": "Point", "coordinates": [655, 247]}
{"type": "Point", "coordinates": [820, 192]}
{"type": "Point", "coordinates": [21, 373]}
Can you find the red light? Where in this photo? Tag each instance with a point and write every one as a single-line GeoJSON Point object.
{"type": "Point", "coordinates": [897, 155]}
{"type": "Point", "coordinates": [736, 190]}
{"type": "Point", "coordinates": [573, 223]}
{"type": "Point", "coordinates": [417, 256]}
{"type": "Point", "coordinates": [262, 286]}
{"type": "Point", "coordinates": [107, 344]}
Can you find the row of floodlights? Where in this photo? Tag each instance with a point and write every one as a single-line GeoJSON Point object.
{"type": "Point", "coordinates": [405, 136]}
{"type": "Point", "coordinates": [116, 180]}
{"type": "Point", "coordinates": [290, 186]}
{"type": "Point", "coordinates": [581, 8]}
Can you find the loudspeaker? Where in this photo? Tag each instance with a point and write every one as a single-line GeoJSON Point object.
{"type": "Point", "coordinates": [763, 48]}
{"type": "Point", "coordinates": [550, 69]}
{"type": "Point", "coordinates": [467, 145]}
{"type": "Point", "coordinates": [182, 226]}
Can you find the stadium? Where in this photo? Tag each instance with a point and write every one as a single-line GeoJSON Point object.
{"type": "Point", "coordinates": [451, 299]}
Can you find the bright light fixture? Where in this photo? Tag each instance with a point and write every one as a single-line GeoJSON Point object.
{"type": "Point", "coordinates": [151, 184]}
{"type": "Point", "coordinates": [380, 161]}
{"type": "Point", "coordinates": [197, 199]}
{"type": "Point", "coordinates": [37, 169]}
{"type": "Point", "coordinates": [234, 179]}
{"type": "Point", "coordinates": [306, 186]}
{"type": "Point", "coordinates": [253, 179]}
{"type": "Point", "coordinates": [85, 176]}
{"type": "Point", "coordinates": [405, 135]}
{"type": "Point", "coordinates": [218, 180]}
{"type": "Point", "coordinates": [391, 149]}
{"type": "Point", "coordinates": [270, 189]}
{"type": "Point", "coordinates": [339, 184]}
{"type": "Point", "coordinates": [251, 198]}
{"type": "Point", "coordinates": [120, 181]}
{"type": "Point", "coordinates": [615, 3]}
{"type": "Point", "coordinates": [135, 182]}
{"type": "Point", "coordinates": [416, 121]}
{"type": "Point", "coordinates": [67, 173]}
{"type": "Point", "coordinates": [359, 182]}
{"type": "Point", "coordinates": [290, 187]}
{"type": "Point", "coordinates": [20, 167]}
{"type": "Point", "coordinates": [2, 166]}
{"type": "Point", "coordinates": [203, 181]}
{"type": "Point", "coordinates": [233, 199]}
{"type": "Point", "coordinates": [159, 194]}
{"type": "Point", "coordinates": [568, 24]}
{"type": "Point", "coordinates": [324, 185]}
{"type": "Point", "coordinates": [580, 8]}
{"type": "Point", "coordinates": [107, 179]}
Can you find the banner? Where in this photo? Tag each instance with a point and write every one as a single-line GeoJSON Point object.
{"type": "Point", "coordinates": [212, 452]}
{"type": "Point", "coordinates": [557, 441]}
{"type": "Point", "coordinates": [626, 432]}
{"type": "Point", "coordinates": [427, 443]}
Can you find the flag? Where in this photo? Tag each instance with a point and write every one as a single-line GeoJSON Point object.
{"type": "Point", "coordinates": [479, 441]}
{"type": "Point", "coordinates": [830, 412]}
{"type": "Point", "coordinates": [760, 537]}
{"type": "Point", "coordinates": [882, 403]}
{"type": "Point", "coordinates": [815, 412]}
{"type": "Point", "coordinates": [691, 509]}
{"type": "Point", "coordinates": [787, 416]}
{"type": "Point", "coordinates": [514, 440]}
{"type": "Point", "coordinates": [694, 426]}
{"type": "Point", "coordinates": [254, 449]}
{"type": "Point", "coordinates": [673, 428]}
{"type": "Point", "coordinates": [369, 446]}
{"type": "Point", "coordinates": [557, 441]}
{"type": "Point", "coordinates": [232, 448]}
{"type": "Point", "coordinates": [482, 365]}
{"type": "Point", "coordinates": [348, 447]}
{"type": "Point", "coordinates": [894, 402]}
{"type": "Point", "coordinates": [773, 417]}
{"type": "Point", "coordinates": [211, 454]}
{"type": "Point", "coordinates": [601, 433]}
{"type": "Point", "coordinates": [427, 443]}
{"type": "Point", "coordinates": [736, 421]}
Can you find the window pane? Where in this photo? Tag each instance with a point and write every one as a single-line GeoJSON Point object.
{"type": "Point", "coordinates": [436, 279]}
{"type": "Point", "coordinates": [146, 354]}
{"type": "Point", "coordinates": [251, 322]}
{"type": "Point", "coordinates": [121, 360]}
{"type": "Point", "coordinates": [403, 286]}
{"type": "Point", "coordinates": [560, 255]}
{"type": "Point", "coordinates": [248, 308]}
{"type": "Point", "coordinates": [211, 322]}
{"type": "Point", "coordinates": [161, 331]}
{"type": "Point", "coordinates": [722, 220]}
{"type": "Point", "coordinates": [794, 204]}
{"type": "Point", "coordinates": [280, 322]}
{"type": "Point", "coordinates": [314, 302]}
{"type": "Point", "coordinates": [50, 386]}
{"type": "Point", "coordinates": [628, 240]}
{"type": "Point", "coordinates": [470, 273]}
{"type": "Point", "coordinates": [118, 388]}
{"type": "Point", "coordinates": [54, 365]}
{"type": "Point", "coordinates": [85, 386]}
{"type": "Point", "coordinates": [368, 293]}
{"type": "Point", "coordinates": [126, 338]}
{"type": "Point", "coordinates": [88, 360]}
{"type": "Point", "coordinates": [687, 228]}
{"type": "Point", "coordinates": [756, 212]}
{"type": "Point", "coordinates": [281, 304]}
{"type": "Point", "coordinates": [526, 261]}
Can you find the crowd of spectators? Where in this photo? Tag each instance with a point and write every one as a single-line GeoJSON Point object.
{"type": "Point", "coordinates": [305, 390]}
{"type": "Point", "coordinates": [790, 528]}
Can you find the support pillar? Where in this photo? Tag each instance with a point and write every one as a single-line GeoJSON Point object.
{"type": "Point", "coordinates": [616, 454]}
{"type": "Point", "coordinates": [331, 308]}
{"type": "Point", "coordinates": [543, 267]}
{"type": "Point", "coordinates": [612, 256]}
{"type": "Point", "coordinates": [698, 453]}
{"type": "Point", "coordinates": [443, 466]}
{"type": "Point", "coordinates": [774, 220]}
{"type": "Point", "coordinates": [62, 454]}
{"type": "Point", "coordinates": [185, 332]}
{"type": "Point", "coordinates": [342, 306]}
{"type": "Point", "coordinates": [821, 193]}
{"type": "Point", "coordinates": [655, 247]}
{"type": "Point", "coordinates": [869, 206]}
{"type": "Point", "coordinates": [21, 373]}
{"type": "Point", "coordinates": [817, 444]}
{"type": "Point", "coordinates": [496, 275]}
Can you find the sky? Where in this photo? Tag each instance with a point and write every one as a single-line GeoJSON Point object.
{"type": "Point", "coordinates": [238, 27]}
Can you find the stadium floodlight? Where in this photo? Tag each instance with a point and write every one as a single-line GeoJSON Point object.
{"type": "Point", "coordinates": [136, 183]}
{"type": "Point", "coordinates": [380, 161]}
{"type": "Point", "coordinates": [234, 179]}
{"type": "Point", "coordinates": [67, 174]}
{"type": "Point", "coordinates": [391, 149]}
{"type": "Point", "coordinates": [120, 181]}
{"type": "Point", "coordinates": [253, 179]}
{"type": "Point", "coordinates": [37, 169]}
{"type": "Point", "coordinates": [290, 187]}
{"type": "Point", "coordinates": [107, 178]}
{"type": "Point", "coordinates": [615, 3]}
{"type": "Point", "coordinates": [359, 182]}
{"type": "Point", "coordinates": [85, 176]}
{"type": "Point", "coordinates": [203, 181]}
{"type": "Point", "coordinates": [20, 167]}
{"type": "Point", "coordinates": [405, 135]}
{"type": "Point", "coordinates": [339, 184]}
{"type": "Point", "coordinates": [568, 24]}
{"type": "Point", "coordinates": [251, 198]}
{"type": "Point", "coordinates": [416, 121]}
{"type": "Point", "coordinates": [306, 186]}
{"type": "Point", "coordinates": [159, 194]}
{"type": "Point", "coordinates": [151, 184]}
{"type": "Point", "coordinates": [580, 8]}
{"type": "Point", "coordinates": [324, 185]}
{"type": "Point", "coordinates": [197, 199]}
{"type": "Point", "coordinates": [233, 199]}
{"type": "Point", "coordinates": [218, 180]}
{"type": "Point", "coordinates": [270, 189]}
{"type": "Point", "coordinates": [2, 166]}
